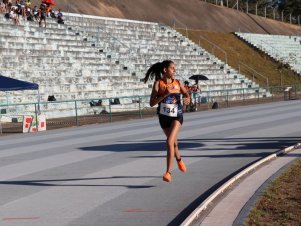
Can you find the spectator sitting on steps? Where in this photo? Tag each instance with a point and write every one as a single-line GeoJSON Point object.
{"type": "Point", "coordinates": [51, 98]}
{"type": "Point", "coordinates": [14, 16]}
{"type": "Point", "coordinates": [60, 19]}
{"type": "Point", "coordinates": [35, 13]}
{"type": "Point", "coordinates": [29, 14]}
{"type": "Point", "coordinates": [52, 14]}
{"type": "Point", "coordinates": [95, 103]}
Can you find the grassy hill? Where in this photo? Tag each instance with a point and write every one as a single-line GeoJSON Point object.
{"type": "Point", "coordinates": [239, 52]}
{"type": "Point", "coordinates": [193, 14]}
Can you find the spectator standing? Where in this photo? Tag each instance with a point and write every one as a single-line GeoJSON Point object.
{"type": "Point", "coordinates": [5, 2]}
{"type": "Point", "coordinates": [186, 86]}
{"type": "Point", "coordinates": [9, 5]}
{"type": "Point", "coordinates": [42, 15]}
{"type": "Point", "coordinates": [48, 10]}
{"type": "Point", "coordinates": [194, 96]}
{"type": "Point", "coordinates": [2, 7]}
{"type": "Point", "coordinates": [22, 5]}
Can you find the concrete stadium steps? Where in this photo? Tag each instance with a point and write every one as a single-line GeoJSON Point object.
{"type": "Point", "coordinates": [88, 57]}
{"type": "Point", "coordinates": [285, 49]}
{"type": "Point", "coordinates": [79, 86]}
{"type": "Point", "coordinates": [223, 95]}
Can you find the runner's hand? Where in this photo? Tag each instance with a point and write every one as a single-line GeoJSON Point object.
{"type": "Point", "coordinates": [167, 92]}
{"type": "Point", "coordinates": [186, 101]}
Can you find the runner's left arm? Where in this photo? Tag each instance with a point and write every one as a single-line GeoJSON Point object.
{"type": "Point", "coordinates": [186, 97]}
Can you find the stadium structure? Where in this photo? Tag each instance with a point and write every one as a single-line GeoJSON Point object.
{"type": "Point", "coordinates": [103, 57]}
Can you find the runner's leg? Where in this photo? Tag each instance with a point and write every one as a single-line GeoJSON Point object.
{"type": "Point", "coordinates": [172, 143]}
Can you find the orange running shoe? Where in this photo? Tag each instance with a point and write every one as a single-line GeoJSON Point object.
{"type": "Point", "coordinates": [182, 166]}
{"type": "Point", "coordinates": [167, 177]}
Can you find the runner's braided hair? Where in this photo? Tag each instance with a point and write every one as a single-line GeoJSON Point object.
{"type": "Point", "coordinates": [156, 70]}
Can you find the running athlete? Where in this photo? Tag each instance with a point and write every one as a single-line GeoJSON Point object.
{"type": "Point", "coordinates": [167, 94]}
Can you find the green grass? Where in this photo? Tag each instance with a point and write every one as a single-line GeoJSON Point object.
{"type": "Point", "coordinates": [239, 51]}
{"type": "Point", "coordinates": [280, 204]}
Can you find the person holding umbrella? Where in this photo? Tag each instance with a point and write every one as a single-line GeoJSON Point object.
{"type": "Point", "coordinates": [167, 94]}
{"type": "Point", "coordinates": [196, 89]}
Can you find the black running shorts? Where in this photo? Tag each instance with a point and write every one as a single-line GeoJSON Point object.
{"type": "Point", "coordinates": [166, 121]}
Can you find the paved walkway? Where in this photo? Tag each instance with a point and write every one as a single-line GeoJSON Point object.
{"type": "Point", "coordinates": [233, 208]}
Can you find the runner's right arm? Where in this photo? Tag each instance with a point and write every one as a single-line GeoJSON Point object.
{"type": "Point", "coordinates": [154, 98]}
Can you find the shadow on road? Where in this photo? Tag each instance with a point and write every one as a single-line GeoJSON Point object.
{"type": "Point", "coordinates": [141, 146]}
{"type": "Point", "coordinates": [56, 182]}
{"type": "Point", "coordinates": [247, 146]}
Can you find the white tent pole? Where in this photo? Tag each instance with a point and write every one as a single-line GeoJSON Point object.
{"type": "Point", "coordinates": [39, 110]}
{"type": "Point", "coordinates": [6, 98]}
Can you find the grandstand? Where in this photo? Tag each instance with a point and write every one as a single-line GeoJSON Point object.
{"type": "Point", "coordinates": [89, 56]}
{"type": "Point", "coordinates": [105, 58]}
{"type": "Point", "coordinates": [285, 49]}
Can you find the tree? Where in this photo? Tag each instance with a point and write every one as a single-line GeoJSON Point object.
{"type": "Point", "coordinates": [292, 6]}
{"type": "Point", "coordinates": [266, 7]}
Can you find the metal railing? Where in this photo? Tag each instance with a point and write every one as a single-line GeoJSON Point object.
{"type": "Point", "coordinates": [254, 72]}
{"type": "Point", "coordinates": [214, 46]}
{"type": "Point", "coordinates": [175, 21]}
{"type": "Point", "coordinates": [79, 112]}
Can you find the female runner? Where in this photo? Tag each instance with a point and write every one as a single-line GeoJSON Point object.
{"type": "Point", "coordinates": [167, 94]}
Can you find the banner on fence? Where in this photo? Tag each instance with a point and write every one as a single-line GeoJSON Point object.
{"type": "Point", "coordinates": [29, 123]}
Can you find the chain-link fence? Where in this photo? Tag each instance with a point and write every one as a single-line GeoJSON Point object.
{"type": "Point", "coordinates": [60, 114]}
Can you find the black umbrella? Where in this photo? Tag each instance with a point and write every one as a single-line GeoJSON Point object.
{"type": "Point", "coordinates": [198, 77]}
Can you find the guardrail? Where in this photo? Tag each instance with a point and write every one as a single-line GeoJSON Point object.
{"type": "Point", "coordinates": [253, 71]}
{"type": "Point", "coordinates": [214, 46]}
{"type": "Point", "coordinates": [66, 113]}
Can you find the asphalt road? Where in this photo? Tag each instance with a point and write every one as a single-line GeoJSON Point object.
{"type": "Point", "coordinates": [111, 174]}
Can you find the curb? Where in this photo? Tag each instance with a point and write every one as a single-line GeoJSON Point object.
{"type": "Point", "coordinates": [196, 213]}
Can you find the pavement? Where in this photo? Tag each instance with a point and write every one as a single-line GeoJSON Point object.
{"type": "Point", "coordinates": [102, 175]}
{"type": "Point", "coordinates": [234, 207]}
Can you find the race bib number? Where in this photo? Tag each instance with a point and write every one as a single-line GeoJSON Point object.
{"type": "Point", "coordinates": [170, 110]}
